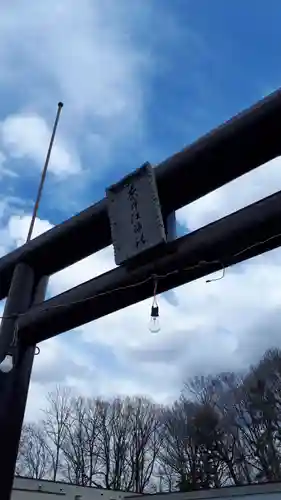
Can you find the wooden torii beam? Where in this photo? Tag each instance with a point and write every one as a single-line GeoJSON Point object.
{"type": "Point", "coordinates": [232, 239]}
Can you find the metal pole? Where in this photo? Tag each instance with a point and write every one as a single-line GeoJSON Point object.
{"type": "Point", "coordinates": [44, 172]}
{"type": "Point", "coordinates": [14, 385]}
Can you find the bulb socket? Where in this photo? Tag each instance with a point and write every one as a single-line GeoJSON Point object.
{"type": "Point", "coordinates": [154, 311]}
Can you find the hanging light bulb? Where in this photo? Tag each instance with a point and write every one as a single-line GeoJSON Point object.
{"type": "Point", "coordinates": [154, 323]}
{"type": "Point", "coordinates": [7, 364]}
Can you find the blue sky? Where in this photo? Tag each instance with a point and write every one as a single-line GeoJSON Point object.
{"type": "Point", "coordinates": [139, 80]}
{"type": "Point", "coordinates": [203, 63]}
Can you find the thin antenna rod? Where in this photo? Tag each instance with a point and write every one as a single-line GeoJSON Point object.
{"type": "Point", "coordinates": [44, 172]}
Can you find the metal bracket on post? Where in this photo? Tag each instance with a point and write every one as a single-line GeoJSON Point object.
{"type": "Point", "coordinates": [171, 226]}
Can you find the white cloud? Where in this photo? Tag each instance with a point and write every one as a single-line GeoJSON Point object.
{"type": "Point", "coordinates": [237, 194]}
{"type": "Point", "coordinates": [84, 270]}
{"type": "Point", "coordinates": [18, 226]}
{"type": "Point", "coordinates": [28, 135]}
{"type": "Point", "coordinates": [85, 56]}
{"type": "Point", "coordinates": [4, 170]}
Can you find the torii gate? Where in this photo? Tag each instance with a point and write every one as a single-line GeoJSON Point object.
{"type": "Point", "coordinates": [248, 140]}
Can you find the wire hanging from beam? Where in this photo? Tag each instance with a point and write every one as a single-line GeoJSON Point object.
{"type": "Point", "coordinates": [152, 277]}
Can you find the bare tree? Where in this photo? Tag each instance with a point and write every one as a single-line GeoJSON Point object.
{"type": "Point", "coordinates": [165, 477]}
{"type": "Point", "coordinates": [34, 458]}
{"type": "Point", "coordinates": [20, 465]}
{"type": "Point", "coordinates": [73, 444]}
{"type": "Point", "coordinates": [92, 435]}
{"type": "Point", "coordinates": [224, 429]}
{"type": "Point", "coordinates": [114, 443]}
{"type": "Point", "coordinates": [145, 441]}
{"type": "Point", "coordinates": [214, 426]}
{"type": "Point", "coordinates": [258, 417]}
{"type": "Point", "coordinates": [179, 451]}
{"type": "Point", "coordinates": [202, 446]}
{"type": "Point", "coordinates": [57, 417]}
{"type": "Point", "coordinates": [129, 443]}
{"type": "Point", "coordinates": [80, 446]}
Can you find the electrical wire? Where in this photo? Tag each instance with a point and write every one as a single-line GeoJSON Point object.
{"type": "Point", "coordinates": [154, 277]}
{"type": "Point", "coordinates": [154, 302]}
{"type": "Point", "coordinates": [217, 279]}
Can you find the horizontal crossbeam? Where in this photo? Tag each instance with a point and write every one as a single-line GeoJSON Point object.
{"type": "Point", "coordinates": [239, 236]}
